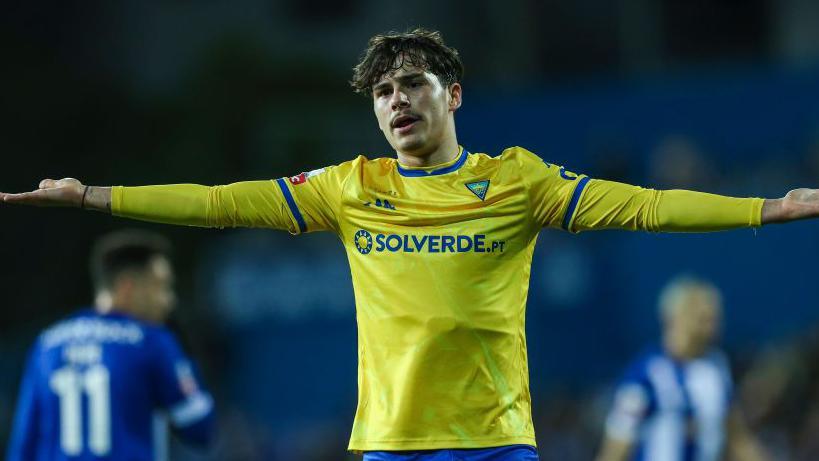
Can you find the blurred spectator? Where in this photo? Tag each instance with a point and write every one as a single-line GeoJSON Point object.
{"type": "Point", "coordinates": [781, 393]}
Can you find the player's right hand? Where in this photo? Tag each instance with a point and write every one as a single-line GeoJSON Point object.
{"type": "Point", "coordinates": [66, 192]}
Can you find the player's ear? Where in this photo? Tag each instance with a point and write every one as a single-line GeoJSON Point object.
{"type": "Point", "coordinates": [455, 95]}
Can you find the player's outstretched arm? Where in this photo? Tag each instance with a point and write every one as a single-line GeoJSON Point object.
{"type": "Point", "coordinates": [612, 205]}
{"type": "Point", "coordinates": [67, 192]}
{"type": "Point", "coordinates": [242, 204]}
{"type": "Point", "coordinates": [797, 204]}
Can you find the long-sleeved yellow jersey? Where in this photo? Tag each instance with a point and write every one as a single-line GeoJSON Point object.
{"type": "Point", "coordinates": [440, 260]}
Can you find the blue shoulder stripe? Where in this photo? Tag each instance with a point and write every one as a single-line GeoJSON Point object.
{"type": "Point", "coordinates": [292, 204]}
{"type": "Point", "coordinates": [578, 191]}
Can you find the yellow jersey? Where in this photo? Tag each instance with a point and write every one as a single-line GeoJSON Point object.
{"type": "Point", "coordinates": [440, 260]}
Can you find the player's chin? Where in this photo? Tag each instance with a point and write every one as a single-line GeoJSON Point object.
{"type": "Point", "coordinates": [410, 142]}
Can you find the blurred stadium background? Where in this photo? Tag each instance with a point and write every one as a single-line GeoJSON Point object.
{"type": "Point", "coordinates": [719, 95]}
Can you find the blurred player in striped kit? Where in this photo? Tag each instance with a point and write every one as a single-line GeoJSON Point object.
{"type": "Point", "coordinates": [675, 402]}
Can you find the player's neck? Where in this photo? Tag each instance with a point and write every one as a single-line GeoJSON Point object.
{"type": "Point", "coordinates": [681, 350]}
{"type": "Point", "coordinates": [444, 153]}
{"type": "Point", "coordinates": [106, 302]}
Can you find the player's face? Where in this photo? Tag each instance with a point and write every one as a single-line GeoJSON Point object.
{"type": "Point", "coordinates": [154, 295]}
{"type": "Point", "coordinates": [414, 111]}
{"type": "Point", "coordinates": [699, 322]}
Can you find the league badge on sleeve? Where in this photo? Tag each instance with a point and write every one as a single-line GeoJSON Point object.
{"type": "Point", "coordinates": [298, 179]}
{"type": "Point", "coordinates": [303, 177]}
{"type": "Point", "coordinates": [186, 379]}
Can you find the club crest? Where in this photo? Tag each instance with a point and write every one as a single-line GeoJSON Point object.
{"type": "Point", "coordinates": [479, 188]}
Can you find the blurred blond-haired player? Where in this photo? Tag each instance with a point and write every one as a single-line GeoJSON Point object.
{"type": "Point", "coordinates": [674, 403]}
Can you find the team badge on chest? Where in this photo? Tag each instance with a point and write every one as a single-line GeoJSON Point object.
{"type": "Point", "coordinates": [479, 188]}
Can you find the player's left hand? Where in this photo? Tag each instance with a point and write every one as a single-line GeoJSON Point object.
{"type": "Point", "coordinates": [797, 204]}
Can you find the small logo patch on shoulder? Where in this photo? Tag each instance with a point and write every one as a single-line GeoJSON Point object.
{"type": "Point", "coordinates": [479, 188]}
{"type": "Point", "coordinates": [298, 179]}
{"type": "Point", "coordinates": [301, 178]}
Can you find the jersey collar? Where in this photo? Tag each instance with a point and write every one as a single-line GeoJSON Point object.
{"type": "Point", "coordinates": [435, 170]}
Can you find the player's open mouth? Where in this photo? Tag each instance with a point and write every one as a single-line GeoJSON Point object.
{"type": "Point", "coordinates": [404, 123]}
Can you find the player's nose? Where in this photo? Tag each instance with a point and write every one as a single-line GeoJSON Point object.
{"type": "Point", "coordinates": [399, 100]}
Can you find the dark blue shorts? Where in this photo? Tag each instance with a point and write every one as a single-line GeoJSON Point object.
{"type": "Point", "coordinates": [508, 453]}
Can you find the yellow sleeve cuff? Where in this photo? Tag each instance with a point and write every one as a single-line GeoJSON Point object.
{"type": "Point", "coordinates": [688, 211]}
{"type": "Point", "coordinates": [116, 200]}
{"type": "Point", "coordinates": [183, 204]}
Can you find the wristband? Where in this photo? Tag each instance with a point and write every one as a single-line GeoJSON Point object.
{"type": "Point", "coordinates": [82, 202]}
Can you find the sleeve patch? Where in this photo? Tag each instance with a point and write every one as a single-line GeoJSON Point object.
{"type": "Point", "coordinates": [302, 178]}
{"type": "Point", "coordinates": [631, 400]}
{"type": "Point", "coordinates": [298, 179]}
{"type": "Point", "coordinates": [191, 410]}
{"type": "Point", "coordinates": [185, 378]}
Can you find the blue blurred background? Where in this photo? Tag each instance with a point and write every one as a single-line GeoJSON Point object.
{"type": "Point", "coordinates": [720, 96]}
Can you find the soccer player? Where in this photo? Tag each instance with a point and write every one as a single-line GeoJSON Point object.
{"type": "Point", "coordinates": [440, 243]}
{"type": "Point", "coordinates": [102, 384]}
{"type": "Point", "coordinates": [675, 401]}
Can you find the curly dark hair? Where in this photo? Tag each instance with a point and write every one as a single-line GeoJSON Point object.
{"type": "Point", "coordinates": [422, 48]}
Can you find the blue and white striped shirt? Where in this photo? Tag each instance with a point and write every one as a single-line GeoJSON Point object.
{"type": "Point", "coordinates": [673, 410]}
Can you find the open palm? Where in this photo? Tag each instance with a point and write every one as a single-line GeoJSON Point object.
{"type": "Point", "coordinates": [66, 192]}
